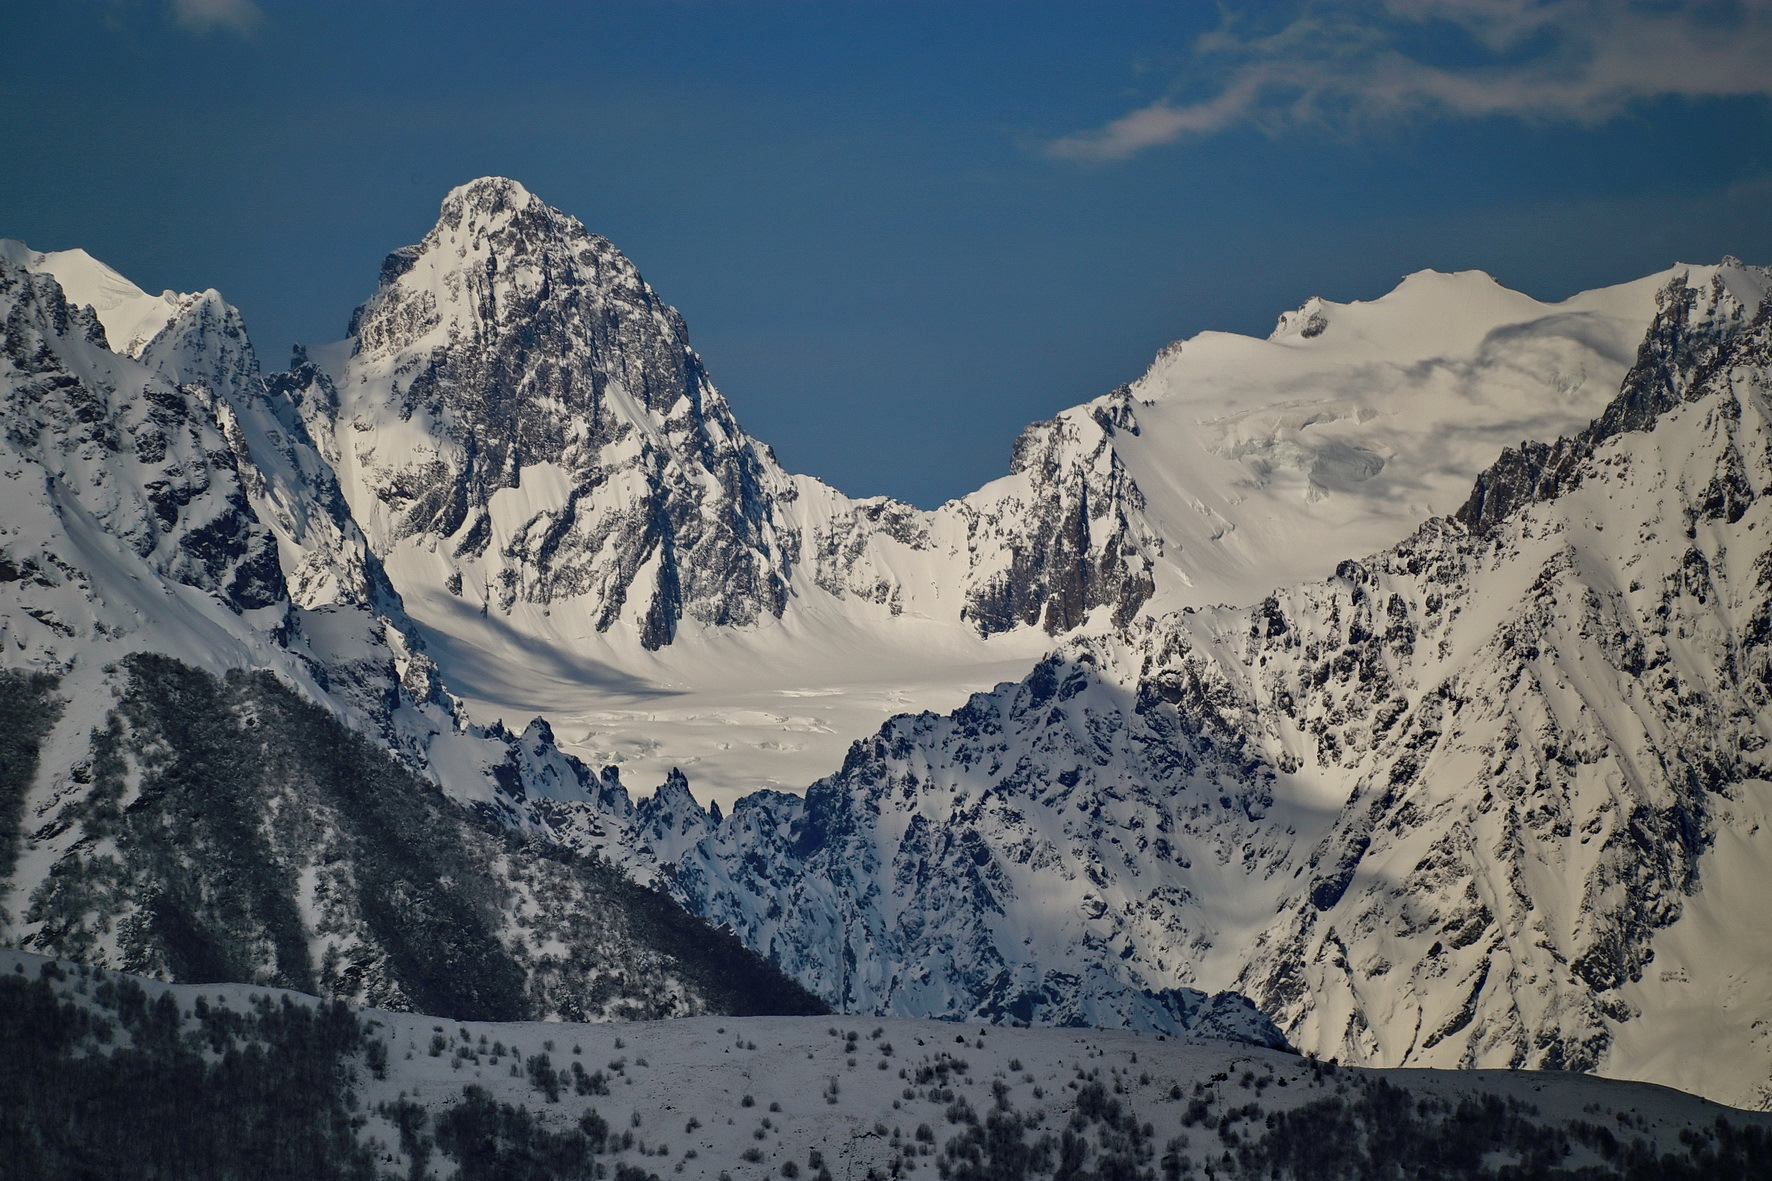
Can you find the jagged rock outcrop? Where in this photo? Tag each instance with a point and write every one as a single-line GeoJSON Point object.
{"type": "Point", "coordinates": [95, 441]}
{"type": "Point", "coordinates": [217, 771]}
{"type": "Point", "coordinates": [1580, 701]}
{"type": "Point", "coordinates": [1440, 809]}
{"type": "Point", "coordinates": [521, 420]}
{"type": "Point", "coordinates": [1073, 535]}
{"type": "Point", "coordinates": [977, 865]}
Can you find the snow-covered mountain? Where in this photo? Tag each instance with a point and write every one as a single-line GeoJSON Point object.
{"type": "Point", "coordinates": [223, 747]}
{"type": "Point", "coordinates": [1489, 796]}
{"type": "Point", "coordinates": [199, 642]}
{"type": "Point", "coordinates": [521, 420]}
{"type": "Point", "coordinates": [1494, 796]}
{"type": "Point", "coordinates": [581, 529]}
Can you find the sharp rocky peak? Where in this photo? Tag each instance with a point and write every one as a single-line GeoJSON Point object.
{"type": "Point", "coordinates": [1309, 321]}
{"type": "Point", "coordinates": [500, 260]}
{"type": "Point", "coordinates": [491, 193]}
{"type": "Point", "coordinates": [522, 408]}
{"type": "Point", "coordinates": [513, 349]}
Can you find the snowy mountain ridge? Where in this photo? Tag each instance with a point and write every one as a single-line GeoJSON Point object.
{"type": "Point", "coordinates": [1483, 799]}
{"type": "Point", "coordinates": [190, 581]}
{"type": "Point", "coordinates": [555, 486]}
{"type": "Point", "coordinates": [1405, 808]}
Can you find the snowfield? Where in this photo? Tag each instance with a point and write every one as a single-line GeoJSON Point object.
{"type": "Point", "coordinates": [760, 1097]}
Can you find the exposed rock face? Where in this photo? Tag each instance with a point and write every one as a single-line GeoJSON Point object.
{"type": "Point", "coordinates": [1433, 811]}
{"type": "Point", "coordinates": [98, 441]}
{"type": "Point", "coordinates": [512, 345]}
{"type": "Point", "coordinates": [1074, 540]}
{"type": "Point", "coordinates": [522, 419]}
{"type": "Point", "coordinates": [1555, 719]}
{"type": "Point", "coordinates": [204, 349]}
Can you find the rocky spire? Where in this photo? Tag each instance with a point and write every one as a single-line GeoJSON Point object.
{"type": "Point", "coordinates": [526, 409]}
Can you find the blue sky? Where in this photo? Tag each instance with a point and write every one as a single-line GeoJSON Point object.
{"type": "Point", "coordinates": [900, 231]}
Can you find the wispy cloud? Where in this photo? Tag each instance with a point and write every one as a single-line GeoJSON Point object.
{"type": "Point", "coordinates": [1345, 63]}
{"type": "Point", "coordinates": [234, 16]}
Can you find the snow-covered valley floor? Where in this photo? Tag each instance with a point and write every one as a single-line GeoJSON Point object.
{"type": "Point", "coordinates": [738, 711]}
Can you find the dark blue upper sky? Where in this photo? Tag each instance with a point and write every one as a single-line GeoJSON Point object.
{"type": "Point", "coordinates": [900, 231]}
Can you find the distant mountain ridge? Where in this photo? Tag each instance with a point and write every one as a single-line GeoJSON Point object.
{"type": "Point", "coordinates": [225, 743]}
{"type": "Point", "coordinates": [580, 527]}
{"type": "Point", "coordinates": [1480, 796]}
{"type": "Point", "coordinates": [1486, 798]}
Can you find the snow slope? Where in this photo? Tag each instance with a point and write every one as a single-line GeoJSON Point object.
{"type": "Point", "coordinates": [744, 1097]}
{"type": "Point", "coordinates": [1485, 798]}
{"type": "Point", "coordinates": [1264, 463]}
{"type": "Point", "coordinates": [131, 317]}
{"type": "Point", "coordinates": [580, 527]}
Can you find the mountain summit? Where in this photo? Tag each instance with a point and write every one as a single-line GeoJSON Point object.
{"type": "Point", "coordinates": [519, 418]}
{"type": "Point", "coordinates": [1479, 789]}
{"type": "Point", "coordinates": [523, 417]}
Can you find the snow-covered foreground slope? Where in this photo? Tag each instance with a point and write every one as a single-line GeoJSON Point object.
{"type": "Point", "coordinates": [767, 1097]}
{"type": "Point", "coordinates": [576, 520]}
{"type": "Point", "coordinates": [1487, 798]}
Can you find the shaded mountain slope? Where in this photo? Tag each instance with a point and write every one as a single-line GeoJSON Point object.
{"type": "Point", "coordinates": [225, 746]}
{"type": "Point", "coordinates": [1450, 807]}
{"type": "Point", "coordinates": [225, 829]}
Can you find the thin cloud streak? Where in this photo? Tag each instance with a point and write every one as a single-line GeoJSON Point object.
{"type": "Point", "coordinates": [1344, 65]}
{"type": "Point", "coordinates": [233, 16]}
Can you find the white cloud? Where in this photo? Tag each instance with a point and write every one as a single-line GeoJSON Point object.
{"type": "Point", "coordinates": [1354, 62]}
{"type": "Point", "coordinates": [234, 16]}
